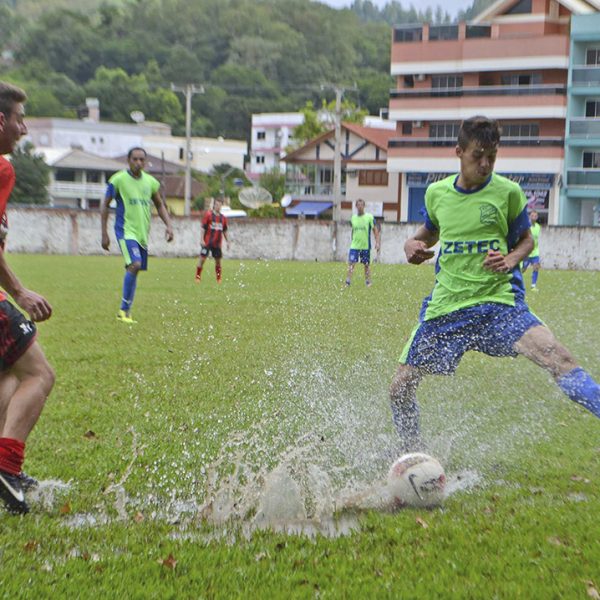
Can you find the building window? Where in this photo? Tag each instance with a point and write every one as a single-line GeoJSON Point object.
{"type": "Point", "coordinates": [592, 108]}
{"type": "Point", "coordinates": [407, 128]}
{"type": "Point", "coordinates": [591, 160]}
{"type": "Point", "coordinates": [408, 34]}
{"type": "Point", "coordinates": [445, 85]}
{"type": "Point", "coordinates": [521, 79]}
{"type": "Point", "coordinates": [93, 203]}
{"type": "Point", "coordinates": [592, 56]}
{"type": "Point", "coordinates": [379, 177]}
{"type": "Point", "coordinates": [260, 160]}
{"type": "Point", "coordinates": [444, 131]}
{"type": "Point", "coordinates": [516, 130]}
{"type": "Point", "coordinates": [93, 176]}
{"type": "Point", "coordinates": [409, 81]}
{"type": "Point", "coordinates": [64, 175]}
{"type": "Point", "coordinates": [443, 32]}
{"type": "Point", "coordinates": [261, 135]}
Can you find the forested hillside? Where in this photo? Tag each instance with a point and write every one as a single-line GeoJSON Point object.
{"type": "Point", "coordinates": [250, 56]}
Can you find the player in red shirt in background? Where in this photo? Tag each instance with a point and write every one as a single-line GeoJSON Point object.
{"type": "Point", "coordinates": [26, 378]}
{"type": "Point", "coordinates": [215, 229]}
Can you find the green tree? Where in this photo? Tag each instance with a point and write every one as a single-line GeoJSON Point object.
{"type": "Point", "coordinates": [33, 176]}
{"type": "Point", "coordinates": [274, 181]}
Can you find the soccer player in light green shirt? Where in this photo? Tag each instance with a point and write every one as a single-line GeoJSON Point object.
{"type": "Point", "coordinates": [134, 191]}
{"type": "Point", "coordinates": [360, 248]}
{"type": "Point", "coordinates": [478, 301]}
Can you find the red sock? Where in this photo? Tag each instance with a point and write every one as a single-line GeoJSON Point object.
{"type": "Point", "coordinates": [218, 271]}
{"type": "Point", "coordinates": [12, 455]}
{"type": "Point", "coordinates": [198, 271]}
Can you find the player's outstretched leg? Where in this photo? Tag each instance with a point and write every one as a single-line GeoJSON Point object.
{"type": "Point", "coordinates": [405, 410]}
{"type": "Point", "coordinates": [539, 345]}
{"type": "Point", "coordinates": [218, 271]}
{"type": "Point", "coordinates": [129, 287]}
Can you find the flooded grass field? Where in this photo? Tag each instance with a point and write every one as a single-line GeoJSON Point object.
{"type": "Point", "coordinates": [235, 443]}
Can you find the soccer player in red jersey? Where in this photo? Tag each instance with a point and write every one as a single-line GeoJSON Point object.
{"type": "Point", "coordinates": [26, 378]}
{"type": "Point", "coordinates": [215, 229]}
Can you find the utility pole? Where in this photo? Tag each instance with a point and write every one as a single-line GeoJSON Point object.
{"type": "Point", "coordinates": [189, 89]}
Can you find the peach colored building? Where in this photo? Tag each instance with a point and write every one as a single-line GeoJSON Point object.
{"type": "Point", "coordinates": [511, 63]}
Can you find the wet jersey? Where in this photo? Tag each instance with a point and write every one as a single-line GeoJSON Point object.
{"type": "Point", "coordinates": [470, 223]}
{"type": "Point", "coordinates": [214, 225]}
{"type": "Point", "coordinates": [134, 204]}
{"type": "Point", "coordinates": [362, 225]}
{"type": "Point", "coordinates": [535, 232]}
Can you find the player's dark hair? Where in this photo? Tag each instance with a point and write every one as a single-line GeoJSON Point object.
{"type": "Point", "coordinates": [480, 129]}
{"type": "Point", "coordinates": [132, 150]}
{"type": "Point", "coordinates": [9, 96]}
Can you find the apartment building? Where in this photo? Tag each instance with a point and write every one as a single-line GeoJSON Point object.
{"type": "Point", "coordinates": [580, 193]}
{"type": "Point", "coordinates": [512, 64]}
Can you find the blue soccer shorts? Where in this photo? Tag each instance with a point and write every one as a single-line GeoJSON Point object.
{"type": "Point", "coordinates": [133, 252]}
{"type": "Point", "coordinates": [362, 256]}
{"type": "Point", "coordinates": [436, 346]}
{"type": "Point", "coordinates": [529, 262]}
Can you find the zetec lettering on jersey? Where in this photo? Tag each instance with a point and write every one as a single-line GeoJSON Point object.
{"type": "Point", "coordinates": [469, 247]}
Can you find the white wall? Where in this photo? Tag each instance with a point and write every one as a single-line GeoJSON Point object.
{"type": "Point", "coordinates": [55, 231]}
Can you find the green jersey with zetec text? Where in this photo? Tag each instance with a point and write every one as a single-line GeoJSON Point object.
{"type": "Point", "coordinates": [470, 223]}
{"type": "Point", "coordinates": [134, 204]}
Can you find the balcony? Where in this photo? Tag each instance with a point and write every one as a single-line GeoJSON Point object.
{"type": "Point", "coordinates": [73, 190]}
{"type": "Point", "coordinates": [586, 76]}
{"type": "Point", "coordinates": [486, 90]}
{"type": "Point", "coordinates": [505, 142]}
{"type": "Point", "coordinates": [583, 177]}
{"type": "Point", "coordinates": [584, 127]}
{"type": "Point", "coordinates": [311, 191]}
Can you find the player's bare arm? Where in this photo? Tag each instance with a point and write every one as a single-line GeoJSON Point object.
{"type": "Point", "coordinates": [164, 215]}
{"type": "Point", "coordinates": [417, 248]}
{"type": "Point", "coordinates": [36, 306]}
{"type": "Point", "coordinates": [104, 220]}
{"type": "Point", "coordinates": [499, 263]}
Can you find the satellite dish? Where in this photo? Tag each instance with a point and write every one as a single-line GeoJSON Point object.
{"type": "Point", "coordinates": [286, 201]}
{"type": "Point", "coordinates": [137, 116]}
{"type": "Point", "coordinates": [255, 197]}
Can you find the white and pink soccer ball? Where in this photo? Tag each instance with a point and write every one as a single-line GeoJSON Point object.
{"type": "Point", "coordinates": [417, 480]}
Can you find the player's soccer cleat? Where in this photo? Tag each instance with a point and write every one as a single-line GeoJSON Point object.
{"type": "Point", "coordinates": [11, 492]}
{"type": "Point", "coordinates": [197, 278]}
{"type": "Point", "coordinates": [125, 318]}
{"type": "Point", "coordinates": [368, 283]}
{"type": "Point", "coordinates": [534, 289]}
{"type": "Point", "coordinates": [28, 483]}
{"type": "Point", "coordinates": [219, 280]}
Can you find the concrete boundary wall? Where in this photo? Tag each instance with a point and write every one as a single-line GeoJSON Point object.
{"type": "Point", "coordinates": [54, 231]}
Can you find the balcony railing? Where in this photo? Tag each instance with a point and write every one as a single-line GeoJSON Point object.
{"type": "Point", "coordinates": [586, 75]}
{"type": "Point", "coordinates": [542, 89]}
{"type": "Point", "coordinates": [583, 177]}
{"type": "Point", "coordinates": [311, 191]}
{"type": "Point", "coordinates": [505, 141]}
{"type": "Point", "coordinates": [584, 127]}
{"type": "Point", "coordinates": [70, 189]}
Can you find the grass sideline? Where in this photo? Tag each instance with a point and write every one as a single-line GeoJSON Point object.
{"type": "Point", "coordinates": [283, 345]}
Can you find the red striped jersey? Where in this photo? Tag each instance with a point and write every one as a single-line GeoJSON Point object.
{"type": "Point", "coordinates": [214, 225]}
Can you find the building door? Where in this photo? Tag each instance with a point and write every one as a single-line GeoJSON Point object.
{"type": "Point", "coordinates": [416, 201]}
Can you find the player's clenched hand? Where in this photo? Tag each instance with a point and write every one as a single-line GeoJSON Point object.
{"type": "Point", "coordinates": [169, 234]}
{"type": "Point", "coordinates": [36, 306]}
{"type": "Point", "coordinates": [417, 251]}
{"type": "Point", "coordinates": [496, 261]}
{"type": "Point", "coordinates": [105, 241]}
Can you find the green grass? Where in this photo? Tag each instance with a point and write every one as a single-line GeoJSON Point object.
{"type": "Point", "coordinates": [280, 360]}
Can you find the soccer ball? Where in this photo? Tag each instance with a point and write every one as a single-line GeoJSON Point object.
{"type": "Point", "coordinates": [417, 480]}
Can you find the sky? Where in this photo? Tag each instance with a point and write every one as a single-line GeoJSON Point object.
{"type": "Point", "coordinates": [450, 6]}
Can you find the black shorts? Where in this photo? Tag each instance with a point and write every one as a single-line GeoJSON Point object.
{"type": "Point", "coordinates": [216, 252]}
{"type": "Point", "coordinates": [17, 333]}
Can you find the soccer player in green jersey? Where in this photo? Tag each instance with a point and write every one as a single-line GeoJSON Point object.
{"type": "Point", "coordinates": [480, 221]}
{"type": "Point", "coordinates": [533, 259]}
{"type": "Point", "coordinates": [360, 248]}
{"type": "Point", "coordinates": [134, 191]}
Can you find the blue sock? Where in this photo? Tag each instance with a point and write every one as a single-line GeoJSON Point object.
{"type": "Point", "coordinates": [534, 277]}
{"type": "Point", "coordinates": [129, 284]}
{"type": "Point", "coordinates": [581, 388]}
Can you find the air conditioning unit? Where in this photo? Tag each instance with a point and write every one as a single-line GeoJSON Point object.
{"type": "Point", "coordinates": [417, 124]}
{"type": "Point", "coordinates": [420, 77]}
